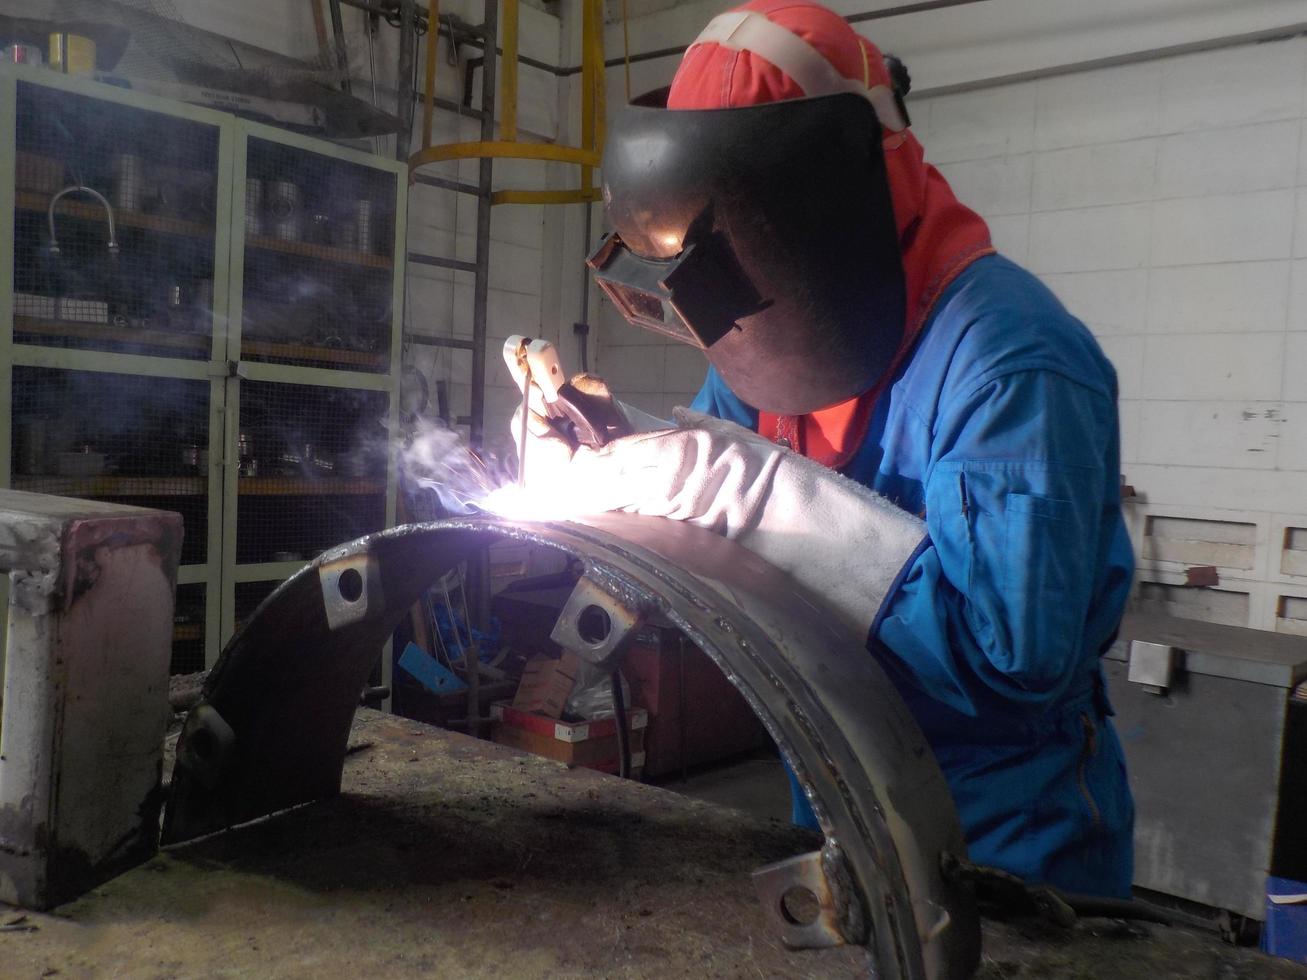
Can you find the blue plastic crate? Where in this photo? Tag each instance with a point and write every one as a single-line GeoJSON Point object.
{"type": "Point", "coordinates": [1285, 932]}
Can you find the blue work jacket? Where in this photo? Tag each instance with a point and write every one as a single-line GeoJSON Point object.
{"type": "Point", "coordinates": [1001, 431]}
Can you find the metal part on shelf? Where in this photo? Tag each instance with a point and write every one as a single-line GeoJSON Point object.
{"type": "Point", "coordinates": [112, 244]}
{"type": "Point", "coordinates": [89, 629]}
{"type": "Point", "coordinates": [288, 684]}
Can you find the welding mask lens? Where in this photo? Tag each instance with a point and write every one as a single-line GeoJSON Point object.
{"type": "Point", "coordinates": [696, 297]}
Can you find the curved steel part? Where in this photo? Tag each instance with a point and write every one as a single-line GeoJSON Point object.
{"type": "Point", "coordinates": [288, 683]}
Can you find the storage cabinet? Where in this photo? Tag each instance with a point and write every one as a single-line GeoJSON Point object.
{"type": "Point", "coordinates": [198, 314]}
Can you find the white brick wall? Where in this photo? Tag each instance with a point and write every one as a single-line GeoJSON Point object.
{"type": "Point", "coordinates": [1167, 206]}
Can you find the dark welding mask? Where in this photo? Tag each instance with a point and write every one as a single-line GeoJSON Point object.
{"type": "Point", "coordinates": [763, 235]}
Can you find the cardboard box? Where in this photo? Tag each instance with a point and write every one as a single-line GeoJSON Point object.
{"type": "Point", "coordinates": [589, 744]}
{"type": "Point", "coordinates": [546, 683]}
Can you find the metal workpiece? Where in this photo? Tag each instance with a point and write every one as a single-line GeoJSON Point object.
{"type": "Point", "coordinates": [288, 684]}
{"type": "Point", "coordinates": [596, 621]}
{"type": "Point", "coordinates": [85, 704]}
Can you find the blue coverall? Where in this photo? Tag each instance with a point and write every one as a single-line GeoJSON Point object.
{"type": "Point", "coordinates": [1002, 431]}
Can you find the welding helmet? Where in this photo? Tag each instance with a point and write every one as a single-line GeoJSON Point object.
{"type": "Point", "coordinates": [754, 218]}
{"type": "Point", "coordinates": [765, 236]}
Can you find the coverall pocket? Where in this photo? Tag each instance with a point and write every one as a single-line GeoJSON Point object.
{"type": "Point", "coordinates": [1039, 535]}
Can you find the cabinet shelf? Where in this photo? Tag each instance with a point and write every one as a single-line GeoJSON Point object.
{"type": "Point", "coordinates": [78, 208]}
{"type": "Point", "coordinates": [80, 330]}
{"type": "Point", "coordinates": [290, 486]}
{"type": "Point", "coordinates": [114, 486]}
{"type": "Point", "coordinates": [329, 356]}
{"type": "Point", "coordinates": [308, 250]}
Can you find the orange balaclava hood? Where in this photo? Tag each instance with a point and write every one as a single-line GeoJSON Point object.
{"type": "Point", "coordinates": [938, 235]}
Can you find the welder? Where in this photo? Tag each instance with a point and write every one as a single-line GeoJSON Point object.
{"type": "Point", "coordinates": [904, 420]}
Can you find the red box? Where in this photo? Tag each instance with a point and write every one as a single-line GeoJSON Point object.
{"type": "Point", "coordinates": [589, 744]}
{"type": "Point", "coordinates": [696, 716]}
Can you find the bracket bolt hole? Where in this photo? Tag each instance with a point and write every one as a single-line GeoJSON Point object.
{"type": "Point", "coordinates": [203, 743]}
{"type": "Point", "coordinates": [350, 585]}
{"type": "Point", "coordinates": [799, 906]}
{"type": "Point", "coordinates": [594, 625]}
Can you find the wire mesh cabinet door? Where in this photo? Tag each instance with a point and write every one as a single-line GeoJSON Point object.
{"type": "Point", "coordinates": [317, 264]}
{"type": "Point", "coordinates": [113, 335]}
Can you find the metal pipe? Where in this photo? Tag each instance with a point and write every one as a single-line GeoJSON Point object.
{"type": "Point", "coordinates": [338, 34]}
{"type": "Point", "coordinates": [508, 73]}
{"type": "Point", "coordinates": [429, 92]}
{"type": "Point", "coordinates": [80, 189]}
{"type": "Point", "coordinates": [481, 288]}
{"type": "Point", "coordinates": [404, 83]}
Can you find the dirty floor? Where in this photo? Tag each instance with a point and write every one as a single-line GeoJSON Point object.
{"type": "Point", "coordinates": [448, 857]}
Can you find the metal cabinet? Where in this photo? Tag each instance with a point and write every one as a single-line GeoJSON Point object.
{"type": "Point", "coordinates": [198, 314]}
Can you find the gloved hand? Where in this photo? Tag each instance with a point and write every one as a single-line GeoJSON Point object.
{"type": "Point", "coordinates": [546, 446]}
{"type": "Point", "coordinates": [840, 539]}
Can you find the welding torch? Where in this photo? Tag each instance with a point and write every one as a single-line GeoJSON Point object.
{"type": "Point", "coordinates": [580, 417]}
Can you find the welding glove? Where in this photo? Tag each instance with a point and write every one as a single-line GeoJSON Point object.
{"type": "Point", "coordinates": [546, 449]}
{"type": "Point", "coordinates": [841, 540]}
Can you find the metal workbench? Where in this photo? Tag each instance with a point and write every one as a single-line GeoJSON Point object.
{"type": "Point", "coordinates": [447, 856]}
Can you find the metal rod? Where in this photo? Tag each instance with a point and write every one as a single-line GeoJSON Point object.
{"type": "Point", "coordinates": [338, 35]}
{"type": "Point", "coordinates": [444, 183]}
{"type": "Point", "coordinates": [404, 106]}
{"type": "Point", "coordinates": [429, 87]}
{"type": "Point", "coordinates": [481, 288]}
{"type": "Point", "coordinates": [443, 263]}
{"type": "Point", "coordinates": [600, 77]}
{"type": "Point", "coordinates": [427, 340]}
{"type": "Point", "coordinates": [508, 72]}
{"type": "Point", "coordinates": [587, 88]}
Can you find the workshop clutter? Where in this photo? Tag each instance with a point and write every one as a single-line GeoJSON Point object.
{"type": "Point", "coordinates": [587, 744]}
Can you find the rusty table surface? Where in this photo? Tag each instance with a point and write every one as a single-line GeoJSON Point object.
{"type": "Point", "coordinates": [450, 857]}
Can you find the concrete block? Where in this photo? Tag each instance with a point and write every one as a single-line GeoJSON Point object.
{"type": "Point", "coordinates": [1224, 367]}
{"type": "Point", "coordinates": [1229, 298]}
{"type": "Point", "coordinates": [1011, 235]}
{"type": "Point", "coordinates": [1096, 107]}
{"type": "Point", "coordinates": [1085, 176]}
{"type": "Point", "coordinates": [1126, 352]}
{"type": "Point", "coordinates": [516, 268]}
{"type": "Point", "coordinates": [1236, 435]}
{"type": "Point", "coordinates": [1216, 486]}
{"type": "Point", "coordinates": [633, 369]}
{"type": "Point", "coordinates": [685, 371]}
{"type": "Point", "coordinates": [1295, 371]}
{"type": "Point", "coordinates": [1293, 437]}
{"type": "Point", "coordinates": [1230, 228]}
{"type": "Point", "coordinates": [1233, 86]}
{"type": "Point", "coordinates": [987, 123]}
{"type": "Point", "coordinates": [1090, 239]}
{"type": "Point", "coordinates": [1298, 296]}
{"type": "Point", "coordinates": [85, 704]}
{"type": "Point", "coordinates": [510, 312]}
{"type": "Point", "coordinates": [1228, 161]}
{"type": "Point", "coordinates": [992, 186]}
{"type": "Point", "coordinates": [1131, 417]}
{"type": "Point", "coordinates": [1300, 226]}
{"type": "Point", "coordinates": [1111, 302]}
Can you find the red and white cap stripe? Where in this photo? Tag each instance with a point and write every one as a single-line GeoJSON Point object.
{"type": "Point", "coordinates": [747, 30]}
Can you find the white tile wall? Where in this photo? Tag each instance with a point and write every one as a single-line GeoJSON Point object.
{"type": "Point", "coordinates": [1089, 239]}
{"type": "Point", "coordinates": [1191, 367]}
{"type": "Point", "coordinates": [1227, 228]}
{"type": "Point", "coordinates": [1236, 297]}
{"type": "Point", "coordinates": [1225, 161]}
{"type": "Point", "coordinates": [1084, 176]}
